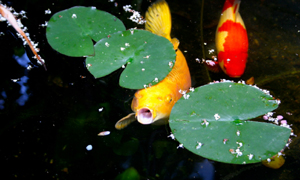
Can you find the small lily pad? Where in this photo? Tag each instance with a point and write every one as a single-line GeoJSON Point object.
{"type": "Point", "coordinates": [145, 56]}
{"type": "Point", "coordinates": [72, 31]}
{"type": "Point", "coordinates": [214, 123]}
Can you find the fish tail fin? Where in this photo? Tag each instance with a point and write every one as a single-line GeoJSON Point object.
{"type": "Point", "coordinates": [231, 9]}
{"type": "Point", "coordinates": [236, 7]}
{"type": "Point", "coordinates": [158, 19]}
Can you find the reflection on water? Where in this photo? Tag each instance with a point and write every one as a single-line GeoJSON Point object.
{"type": "Point", "coordinates": [55, 134]}
{"type": "Point", "coordinates": [24, 62]}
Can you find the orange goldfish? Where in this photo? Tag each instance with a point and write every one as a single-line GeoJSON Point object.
{"type": "Point", "coordinates": [232, 40]}
{"type": "Point", "coordinates": [154, 104]}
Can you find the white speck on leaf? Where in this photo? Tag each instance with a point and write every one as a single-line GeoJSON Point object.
{"type": "Point", "coordinates": [199, 145]}
{"type": "Point", "coordinates": [186, 96]}
{"type": "Point", "coordinates": [204, 122]}
{"type": "Point", "coordinates": [250, 156]}
{"type": "Point", "coordinates": [217, 117]}
{"type": "Point", "coordinates": [238, 152]}
{"type": "Point", "coordinates": [182, 91]}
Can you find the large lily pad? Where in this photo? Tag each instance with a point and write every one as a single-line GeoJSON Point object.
{"type": "Point", "coordinates": [213, 123]}
{"type": "Point", "coordinates": [147, 58]}
{"type": "Point", "coordinates": [72, 31]}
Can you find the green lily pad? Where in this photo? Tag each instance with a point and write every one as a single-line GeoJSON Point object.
{"type": "Point", "coordinates": [147, 58]}
{"type": "Point", "coordinates": [72, 31]}
{"type": "Point", "coordinates": [212, 122]}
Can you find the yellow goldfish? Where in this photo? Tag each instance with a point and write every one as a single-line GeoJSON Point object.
{"type": "Point", "coordinates": [154, 104]}
{"type": "Point", "coordinates": [274, 162]}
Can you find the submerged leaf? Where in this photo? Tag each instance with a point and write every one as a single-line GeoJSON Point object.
{"type": "Point", "coordinates": [129, 174]}
{"type": "Point", "coordinates": [215, 114]}
{"type": "Point", "coordinates": [72, 31]}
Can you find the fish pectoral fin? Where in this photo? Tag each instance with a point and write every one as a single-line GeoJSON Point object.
{"type": "Point", "coordinates": [213, 66]}
{"type": "Point", "coordinates": [125, 121]}
{"type": "Point", "coordinates": [175, 43]}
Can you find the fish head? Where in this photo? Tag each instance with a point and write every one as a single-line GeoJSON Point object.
{"type": "Point", "coordinates": [152, 105]}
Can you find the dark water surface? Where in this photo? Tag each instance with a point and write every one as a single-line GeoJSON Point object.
{"type": "Point", "coordinates": [49, 119]}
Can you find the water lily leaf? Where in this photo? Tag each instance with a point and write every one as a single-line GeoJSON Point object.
{"type": "Point", "coordinates": [146, 56]}
{"type": "Point", "coordinates": [214, 123]}
{"type": "Point", "coordinates": [72, 31]}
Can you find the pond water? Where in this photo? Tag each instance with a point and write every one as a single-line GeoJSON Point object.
{"type": "Point", "coordinates": [50, 119]}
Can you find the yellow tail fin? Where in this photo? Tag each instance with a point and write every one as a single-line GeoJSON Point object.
{"type": "Point", "coordinates": [158, 19]}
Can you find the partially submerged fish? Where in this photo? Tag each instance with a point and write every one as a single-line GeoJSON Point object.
{"type": "Point", "coordinates": [274, 162]}
{"type": "Point", "coordinates": [232, 40]}
{"type": "Point", "coordinates": [154, 104]}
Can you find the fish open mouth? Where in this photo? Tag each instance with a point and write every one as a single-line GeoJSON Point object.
{"type": "Point", "coordinates": [144, 116]}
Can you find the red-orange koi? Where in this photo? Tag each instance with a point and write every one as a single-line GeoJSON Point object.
{"type": "Point", "coordinates": [232, 40]}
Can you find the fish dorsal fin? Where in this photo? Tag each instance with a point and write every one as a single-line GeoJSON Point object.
{"type": "Point", "coordinates": [158, 19]}
{"type": "Point", "coordinates": [125, 121]}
